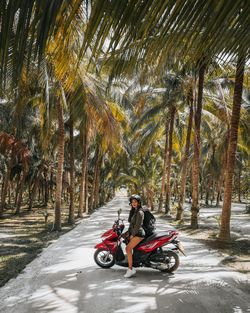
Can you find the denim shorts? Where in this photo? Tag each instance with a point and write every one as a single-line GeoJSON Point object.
{"type": "Point", "coordinates": [140, 233]}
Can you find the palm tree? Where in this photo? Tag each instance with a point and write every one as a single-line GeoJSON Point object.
{"type": "Point", "coordinates": [7, 143]}
{"type": "Point", "coordinates": [169, 26]}
{"type": "Point", "coordinates": [83, 203]}
{"type": "Point", "coordinates": [60, 160]}
{"type": "Point", "coordinates": [71, 218]}
{"type": "Point", "coordinates": [232, 146]}
{"type": "Point", "coordinates": [169, 159]}
{"type": "Point", "coordinates": [143, 34]}
{"type": "Point", "coordinates": [196, 161]}
{"type": "Point", "coordinates": [27, 28]}
{"type": "Point", "coordinates": [164, 168]}
{"type": "Point", "coordinates": [96, 174]}
{"type": "Point", "coordinates": [179, 215]}
{"type": "Point", "coordinates": [16, 152]}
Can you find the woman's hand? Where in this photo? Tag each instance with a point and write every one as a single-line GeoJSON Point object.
{"type": "Point", "coordinates": [125, 235]}
{"type": "Point", "coordinates": [130, 237]}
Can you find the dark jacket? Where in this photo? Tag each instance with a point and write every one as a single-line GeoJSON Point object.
{"type": "Point", "coordinates": [135, 219]}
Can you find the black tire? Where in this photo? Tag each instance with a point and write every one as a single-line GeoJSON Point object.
{"type": "Point", "coordinates": [99, 256]}
{"type": "Point", "coordinates": [171, 256]}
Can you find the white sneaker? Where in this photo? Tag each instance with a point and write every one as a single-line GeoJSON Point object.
{"type": "Point", "coordinates": [130, 272]}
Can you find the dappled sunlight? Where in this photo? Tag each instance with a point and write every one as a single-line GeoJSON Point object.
{"type": "Point", "coordinates": [237, 309]}
{"type": "Point", "coordinates": [57, 299]}
{"type": "Point", "coordinates": [66, 279]}
{"type": "Point", "coordinates": [145, 289]}
{"type": "Point", "coordinates": [76, 259]}
{"type": "Point", "coordinates": [108, 106]}
{"type": "Point", "coordinates": [141, 304]}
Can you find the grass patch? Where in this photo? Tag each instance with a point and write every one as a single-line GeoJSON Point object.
{"type": "Point", "coordinates": [23, 237]}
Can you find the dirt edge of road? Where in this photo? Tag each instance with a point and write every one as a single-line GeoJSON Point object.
{"type": "Point", "coordinates": [23, 237]}
{"type": "Point", "coordinates": [236, 254]}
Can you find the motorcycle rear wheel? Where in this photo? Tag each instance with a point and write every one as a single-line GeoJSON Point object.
{"type": "Point", "coordinates": [172, 260]}
{"type": "Point", "coordinates": [104, 258]}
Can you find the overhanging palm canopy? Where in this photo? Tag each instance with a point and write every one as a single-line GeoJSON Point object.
{"type": "Point", "coordinates": [147, 29]}
{"type": "Point", "coordinates": [26, 27]}
{"type": "Point", "coordinates": [151, 29]}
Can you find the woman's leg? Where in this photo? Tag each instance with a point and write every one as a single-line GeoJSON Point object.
{"type": "Point", "coordinates": [133, 242]}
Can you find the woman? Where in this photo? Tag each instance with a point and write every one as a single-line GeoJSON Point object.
{"type": "Point", "coordinates": [136, 232]}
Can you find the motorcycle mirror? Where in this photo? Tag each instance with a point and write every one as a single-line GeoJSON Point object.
{"type": "Point", "coordinates": [119, 212]}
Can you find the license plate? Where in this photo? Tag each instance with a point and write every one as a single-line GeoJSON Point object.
{"type": "Point", "coordinates": [181, 248]}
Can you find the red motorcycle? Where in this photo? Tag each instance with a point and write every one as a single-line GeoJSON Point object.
{"type": "Point", "coordinates": [148, 253]}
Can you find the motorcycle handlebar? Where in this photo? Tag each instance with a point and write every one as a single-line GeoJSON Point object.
{"type": "Point", "coordinates": [119, 219]}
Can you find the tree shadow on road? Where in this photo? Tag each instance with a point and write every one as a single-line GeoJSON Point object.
{"type": "Point", "coordinates": [71, 282]}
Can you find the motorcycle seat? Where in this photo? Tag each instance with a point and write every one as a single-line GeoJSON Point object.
{"type": "Point", "coordinates": [152, 237]}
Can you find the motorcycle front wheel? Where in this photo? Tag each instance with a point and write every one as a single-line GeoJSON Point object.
{"type": "Point", "coordinates": [172, 261]}
{"type": "Point", "coordinates": [104, 258]}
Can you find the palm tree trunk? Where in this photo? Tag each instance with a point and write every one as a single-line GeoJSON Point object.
{"type": "Point", "coordinates": [151, 199]}
{"type": "Point", "coordinates": [5, 185]}
{"type": "Point", "coordinates": [170, 149]}
{"type": "Point", "coordinates": [232, 146]}
{"type": "Point", "coordinates": [51, 184]}
{"type": "Point", "coordinates": [208, 188]}
{"type": "Point", "coordinates": [92, 197]}
{"type": "Point", "coordinates": [219, 189]}
{"type": "Point", "coordinates": [84, 179]}
{"type": "Point", "coordinates": [17, 188]}
{"type": "Point", "coordinates": [222, 174]}
{"type": "Point", "coordinates": [33, 191]}
{"type": "Point", "coordinates": [212, 197]}
{"type": "Point", "coordinates": [60, 160]}
{"type": "Point", "coordinates": [196, 161]}
{"type": "Point", "coordinates": [97, 183]}
{"type": "Point", "coordinates": [20, 194]}
{"type": "Point", "coordinates": [46, 188]}
{"type": "Point", "coordinates": [148, 198]}
{"type": "Point", "coordinates": [71, 218]}
{"type": "Point", "coordinates": [239, 183]}
{"type": "Point", "coordinates": [9, 193]}
{"type": "Point", "coordinates": [144, 192]}
{"type": "Point", "coordinates": [86, 206]}
{"type": "Point", "coordinates": [179, 215]}
{"type": "Point", "coordinates": [164, 168]}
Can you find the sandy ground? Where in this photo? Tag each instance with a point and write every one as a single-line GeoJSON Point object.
{"type": "Point", "coordinates": [237, 254]}
{"type": "Point", "coordinates": [65, 278]}
{"type": "Point", "coordinates": [23, 236]}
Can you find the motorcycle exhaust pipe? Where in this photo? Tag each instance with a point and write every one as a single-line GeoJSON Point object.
{"type": "Point", "coordinates": [158, 266]}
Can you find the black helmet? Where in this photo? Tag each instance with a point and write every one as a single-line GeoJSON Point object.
{"type": "Point", "coordinates": [136, 197]}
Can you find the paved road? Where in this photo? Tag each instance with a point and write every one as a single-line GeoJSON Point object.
{"type": "Point", "coordinates": [64, 278]}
